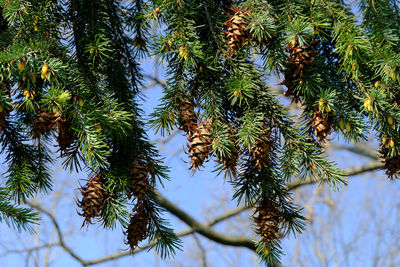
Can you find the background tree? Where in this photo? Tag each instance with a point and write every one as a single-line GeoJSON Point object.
{"type": "Point", "coordinates": [71, 70]}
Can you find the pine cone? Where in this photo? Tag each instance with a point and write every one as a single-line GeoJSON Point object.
{"type": "Point", "coordinates": [200, 145]}
{"type": "Point", "coordinates": [139, 179]}
{"type": "Point", "coordinates": [138, 228]}
{"type": "Point", "coordinates": [236, 33]}
{"type": "Point", "coordinates": [300, 60]}
{"type": "Point", "coordinates": [93, 199]}
{"type": "Point", "coordinates": [392, 165]}
{"type": "Point", "coordinates": [66, 135]}
{"type": "Point", "coordinates": [43, 124]}
{"type": "Point", "coordinates": [267, 217]}
{"type": "Point", "coordinates": [321, 124]}
{"type": "Point", "coordinates": [261, 151]}
{"type": "Point", "coordinates": [187, 117]}
{"type": "Point", "coordinates": [229, 162]}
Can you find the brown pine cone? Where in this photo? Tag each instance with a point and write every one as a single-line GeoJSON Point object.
{"type": "Point", "coordinates": [267, 217]}
{"type": "Point", "coordinates": [200, 145]}
{"type": "Point", "coordinates": [92, 202]}
{"type": "Point", "coordinates": [236, 33]}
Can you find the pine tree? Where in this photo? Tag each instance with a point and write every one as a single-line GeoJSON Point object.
{"type": "Point", "coordinates": [70, 70]}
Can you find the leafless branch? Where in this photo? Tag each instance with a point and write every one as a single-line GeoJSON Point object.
{"type": "Point", "coordinates": [359, 149]}
{"type": "Point", "coordinates": [371, 166]}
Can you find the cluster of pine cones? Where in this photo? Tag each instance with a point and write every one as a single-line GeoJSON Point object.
{"type": "Point", "coordinates": [267, 213]}
{"type": "Point", "coordinates": [300, 62]}
{"type": "Point", "coordinates": [200, 140]}
{"type": "Point", "coordinates": [45, 121]}
{"type": "Point", "coordinates": [139, 187]}
{"type": "Point", "coordinates": [198, 135]}
{"type": "Point", "coordinates": [94, 200]}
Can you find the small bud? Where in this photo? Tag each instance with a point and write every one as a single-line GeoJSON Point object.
{"type": "Point", "coordinates": [391, 142]}
{"type": "Point", "coordinates": [156, 11]}
{"type": "Point", "coordinates": [321, 104]}
{"type": "Point", "coordinates": [27, 94]}
{"type": "Point", "coordinates": [348, 126]}
{"type": "Point", "coordinates": [384, 140]}
{"type": "Point", "coordinates": [390, 120]}
{"type": "Point", "coordinates": [377, 84]}
{"type": "Point", "coordinates": [35, 25]}
{"type": "Point", "coordinates": [168, 45]}
{"type": "Point", "coordinates": [313, 167]}
{"type": "Point", "coordinates": [45, 72]}
{"type": "Point", "coordinates": [183, 52]}
{"type": "Point", "coordinates": [327, 109]}
{"type": "Point", "coordinates": [368, 104]}
{"type": "Point", "coordinates": [21, 65]}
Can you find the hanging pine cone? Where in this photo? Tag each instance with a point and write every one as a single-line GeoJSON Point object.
{"type": "Point", "coordinates": [138, 228]}
{"type": "Point", "coordinates": [236, 33]}
{"type": "Point", "coordinates": [43, 123]}
{"type": "Point", "coordinates": [93, 197]}
{"type": "Point", "coordinates": [261, 151]}
{"type": "Point", "coordinates": [187, 117]}
{"type": "Point", "coordinates": [300, 60]}
{"type": "Point", "coordinates": [321, 123]}
{"type": "Point", "coordinates": [392, 164]}
{"type": "Point", "coordinates": [200, 145]}
{"type": "Point", "coordinates": [267, 217]}
{"type": "Point", "coordinates": [139, 179]}
{"type": "Point", "coordinates": [66, 135]}
{"type": "Point", "coordinates": [229, 162]}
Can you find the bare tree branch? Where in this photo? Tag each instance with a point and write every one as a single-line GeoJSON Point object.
{"type": "Point", "coordinates": [229, 240]}
{"type": "Point", "coordinates": [371, 166]}
{"type": "Point", "coordinates": [359, 149]}
{"type": "Point", "coordinates": [58, 229]}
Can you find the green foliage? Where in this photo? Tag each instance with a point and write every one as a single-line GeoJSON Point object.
{"type": "Point", "coordinates": [78, 62]}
